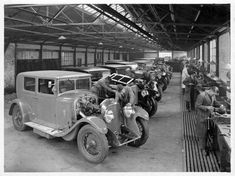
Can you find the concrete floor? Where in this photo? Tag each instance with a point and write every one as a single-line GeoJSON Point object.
{"type": "Point", "coordinates": [28, 152]}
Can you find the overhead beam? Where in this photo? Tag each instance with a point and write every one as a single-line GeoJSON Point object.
{"type": "Point", "coordinates": [55, 24]}
{"type": "Point", "coordinates": [57, 14]}
{"type": "Point", "coordinates": [185, 24]}
{"type": "Point", "coordinates": [114, 13]}
{"type": "Point", "coordinates": [32, 5]}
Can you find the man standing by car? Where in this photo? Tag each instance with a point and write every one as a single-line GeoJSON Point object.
{"type": "Point", "coordinates": [184, 76]}
{"type": "Point", "coordinates": [102, 88]}
{"type": "Point", "coordinates": [190, 83]}
{"type": "Point", "coordinates": [124, 95]}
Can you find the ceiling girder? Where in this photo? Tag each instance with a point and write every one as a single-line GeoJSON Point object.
{"type": "Point", "coordinates": [114, 13]}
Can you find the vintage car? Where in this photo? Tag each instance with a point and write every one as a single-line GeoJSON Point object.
{"type": "Point", "coordinates": [96, 72]}
{"type": "Point", "coordinates": [133, 65]}
{"type": "Point", "coordinates": [59, 104]}
{"type": "Point", "coordinates": [145, 96]}
{"type": "Point", "coordinates": [116, 68]}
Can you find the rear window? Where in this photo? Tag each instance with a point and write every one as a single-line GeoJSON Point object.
{"type": "Point", "coordinates": [29, 84]}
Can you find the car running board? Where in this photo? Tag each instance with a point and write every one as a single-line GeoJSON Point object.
{"type": "Point", "coordinates": [43, 130]}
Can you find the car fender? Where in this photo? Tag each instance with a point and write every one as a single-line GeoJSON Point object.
{"type": "Point", "coordinates": [140, 112]}
{"type": "Point", "coordinates": [24, 107]}
{"type": "Point", "coordinates": [96, 122]}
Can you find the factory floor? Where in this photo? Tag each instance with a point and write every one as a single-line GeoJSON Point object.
{"type": "Point", "coordinates": [163, 152]}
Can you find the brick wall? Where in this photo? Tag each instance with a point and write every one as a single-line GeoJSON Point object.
{"type": "Point", "coordinates": [9, 68]}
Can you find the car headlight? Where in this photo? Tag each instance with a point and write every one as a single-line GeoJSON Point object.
{"type": "Point", "coordinates": [108, 116]}
{"type": "Point", "coordinates": [144, 93]}
{"type": "Point", "coordinates": [103, 108]}
{"type": "Point", "coordinates": [128, 110]}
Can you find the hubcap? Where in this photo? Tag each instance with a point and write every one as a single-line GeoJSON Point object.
{"type": "Point", "coordinates": [18, 119]}
{"type": "Point", "coordinates": [90, 144]}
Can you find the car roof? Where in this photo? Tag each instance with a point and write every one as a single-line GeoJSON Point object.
{"type": "Point", "coordinates": [54, 74]}
{"type": "Point", "coordinates": [143, 61]}
{"type": "Point", "coordinates": [95, 69]}
{"type": "Point", "coordinates": [126, 62]}
{"type": "Point", "coordinates": [115, 66]}
{"type": "Point", "coordinates": [87, 69]}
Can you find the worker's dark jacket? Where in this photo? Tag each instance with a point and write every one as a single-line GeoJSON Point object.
{"type": "Point", "coordinates": [190, 83]}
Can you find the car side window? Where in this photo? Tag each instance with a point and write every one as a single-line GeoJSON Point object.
{"type": "Point", "coordinates": [83, 84]}
{"type": "Point", "coordinates": [43, 86]}
{"type": "Point", "coordinates": [29, 84]}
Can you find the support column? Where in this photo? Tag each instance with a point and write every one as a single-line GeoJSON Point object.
{"type": "Point", "coordinates": [103, 56]}
{"type": "Point", "coordinates": [217, 56]}
{"type": "Point", "coordinates": [95, 57]}
{"type": "Point", "coordinates": [60, 56]}
{"type": "Point", "coordinates": [208, 55]}
{"type": "Point", "coordinates": [86, 56]}
{"type": "Point", "coordinates": [203, 55]}
{"type": "Point", "coordinates": [74, 56]}
{"type": "Point", "coordinates": [109, 55]}
{"type": "Point", "coordinates": [16, 63]}
{"type": "Point", "coordinates": [40, 58]}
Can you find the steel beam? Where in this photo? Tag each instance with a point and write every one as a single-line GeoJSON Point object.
{"type": "Point", "coordinates": [57, 13]}
{"type": "Point", "coordinates": [121, 17]}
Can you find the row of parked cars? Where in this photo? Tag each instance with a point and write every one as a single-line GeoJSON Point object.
{"type": "Point", "coordinates": [60, 104]}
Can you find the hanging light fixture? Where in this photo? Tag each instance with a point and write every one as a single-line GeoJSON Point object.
{"type": "Point", "coordinates": [61, 37]}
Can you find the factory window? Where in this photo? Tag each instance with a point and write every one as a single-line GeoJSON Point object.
{"type": "Point", "coordinates": [116, 56]}
{"type": "Point", "coordinates": [67, 58]}
{"type": "Point", "coordinates": [50, 55]}
{"type": "Point", "coordinates": [27, 54]}
{"type": "Point", "coordinates": [213, 56]}
{"type": "Point", "coordinates": [99, 58]}
{"type": "Point", "coordinates": [201, 53]}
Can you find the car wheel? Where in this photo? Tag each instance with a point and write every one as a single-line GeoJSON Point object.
{"type": "Point", "coordinates": [160, 93]}
{"type": "Point", "coordinates": [164, 85]}
{"type": "Point", "coordinates": [92, 144]}
{"type": "Point", "coordinates": [17, 119]}
{"type": "Point", "coordinates": [153, 104]}
{"type": "Point", "coordinates": [144, 133]}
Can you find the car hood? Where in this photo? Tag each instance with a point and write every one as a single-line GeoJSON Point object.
{"type": "Point", "coordinates": [74, 94]}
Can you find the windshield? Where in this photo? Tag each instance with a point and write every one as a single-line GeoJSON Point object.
{"type": "Point", "coordinates": [73, 84]}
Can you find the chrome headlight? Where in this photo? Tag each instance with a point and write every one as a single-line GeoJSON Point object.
{"type": "Point", "coordinates": [108, 116]}
{"type": "Point", "coordinates": [128, 110]}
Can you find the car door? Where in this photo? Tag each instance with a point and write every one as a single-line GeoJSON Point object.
{"type": "Point", "coordinates": [46, 107]}
{"type": "Point", "coordinates": [29, 95]}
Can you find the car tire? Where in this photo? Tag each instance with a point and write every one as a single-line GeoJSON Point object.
{"type": "Point", "coordinates": [160, 93]}
{"type": "Point", "coordinates": [87, 137]}
{"type": "Point", "coordinates": [18, 119]}
{"type": "Point", "coordinates": [154, 105]}
{"type": "Point", "coordinates": [164, 85]}
{"type": "Point", "coordinates": [144, 129]}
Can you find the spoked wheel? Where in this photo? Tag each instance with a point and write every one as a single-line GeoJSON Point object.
{"type": "Point", "coordinates": [17, 119]}
{"type": "Point", "coordinates": [92, 144]}
{"type": "Point", "coordinates": [144, 133]}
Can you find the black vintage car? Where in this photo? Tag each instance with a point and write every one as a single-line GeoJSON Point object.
{"type": "Point", "coordinates": [145, 97]}
{"type": "Point", "coordinates": [116, 68]}
{"type": "Point", "coordinates": [96, 72]}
